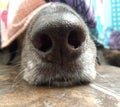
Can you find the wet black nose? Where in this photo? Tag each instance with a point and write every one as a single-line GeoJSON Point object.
{"type": "Point", "coordinates": [59, 38]}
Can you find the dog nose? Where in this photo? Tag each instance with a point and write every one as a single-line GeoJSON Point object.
{"type": "Point", "coordinates": [59, 38]}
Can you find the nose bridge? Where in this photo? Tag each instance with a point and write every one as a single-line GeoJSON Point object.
{"type": "Point", "coordinates": [59, 40]}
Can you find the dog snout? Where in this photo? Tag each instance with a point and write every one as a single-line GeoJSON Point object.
{"type": "Point", "coordinates": [59, 38]}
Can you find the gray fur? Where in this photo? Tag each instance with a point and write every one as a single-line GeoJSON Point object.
{"type": "Point", "coordinates": [80, 69]}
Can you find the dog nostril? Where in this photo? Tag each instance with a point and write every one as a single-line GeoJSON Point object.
{"type": "Point", "coordinates": [74, 39]}
{"type": "Point", "coordinates": [43, 42]}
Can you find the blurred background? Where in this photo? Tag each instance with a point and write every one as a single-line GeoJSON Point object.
{"type": "Point", "coordinates": [107, 14]}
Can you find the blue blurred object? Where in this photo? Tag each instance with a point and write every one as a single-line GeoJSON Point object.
{"type": "Point", "coordinates": [107, 14]}
{"type": "Point", "coordinates": [115, 14]}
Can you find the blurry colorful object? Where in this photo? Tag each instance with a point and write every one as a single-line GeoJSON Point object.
{"type": "Point", "coordinates": [3, 14]}
{"type": "Point", "coordinates": [107, 14]}
{"type": "Point", "coordinates": [15, 15]}
{"type": "Point", "coordinates": [114, 42]}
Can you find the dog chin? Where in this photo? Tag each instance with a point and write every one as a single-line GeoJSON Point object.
{"type": "Point", "coordinates": [72, 79]}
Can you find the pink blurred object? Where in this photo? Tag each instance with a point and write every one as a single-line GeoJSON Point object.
{"type": "Point", "coordinates": [15, 15]}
